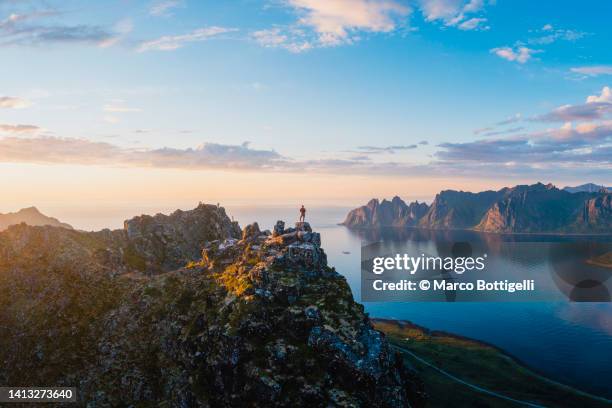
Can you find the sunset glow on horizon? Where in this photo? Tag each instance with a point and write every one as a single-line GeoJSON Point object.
{"type": "Point", "coordinates": [166, 104]}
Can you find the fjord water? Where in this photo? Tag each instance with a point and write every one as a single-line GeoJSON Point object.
{"type": "Point", "coordinates": [565, 341]}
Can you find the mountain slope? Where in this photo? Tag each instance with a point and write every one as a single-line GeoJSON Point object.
{"type": "Point", "coordinates": [30, 216]}
{"type": "Point", "coordinates": [458, 209]}
{"type": "Point", "coordinates": [539, 208]}
{"type": "Point", "coordinates": [258, 317]}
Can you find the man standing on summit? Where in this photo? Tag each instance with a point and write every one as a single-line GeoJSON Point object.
{"type": "Point", "coordinates": [302, 213]}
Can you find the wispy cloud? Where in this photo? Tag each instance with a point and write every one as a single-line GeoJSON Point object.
{"type": "Point", "coordinates": [120, 32]}
{"type": "Point", "coordinates": [520, 54]}
{"type": "Point", "coordinates": [164, 8]}
{"type": "Point", "coordinates": [566, 146]}
{"type": "Point", "coordinates": [293, 40]}
{"type": "Point", "coordinates": [11, 102]}
{"type": "Point", "coordinates": [523, 51]}
{"type": "Point", "coordinates": [593, 70]}
{"type": "Point", "coordinates": [517, 117]}
{"type": "Point", "coordinates": [504, 132]}
{"type": "Point", "coordinates": [54, 150]}
{"type": "Point", "coordinates": [386, 149]}
{"type": "Point", "coordinates": [584, 148]}
{"type": "Point", "coordinates": [4, 128]}
{"type": "Point", "coordinates": [553, 152]}
{"type": "Point", "coordinates": [119, 108]}
{"type": "Point", "coordinates": [595, 107]}
{"type": "Point", "coordinates": [26, 29]}
{"type": "Point", "coordinates": [483, 130]}
{"type": "Point", "coordinates": [473, 24]}
{"type": "Point", "coordinates": [549, 34]}
{"type": "Point", "coordinates": [455, 13]}
{"type": "Point", "coordinates": [174, 42]}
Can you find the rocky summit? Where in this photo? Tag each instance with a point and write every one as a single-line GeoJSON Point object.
{"type": "Point", "coordinates": [394, 213]}
{"type": "Point", "coordinates": [257, 318]}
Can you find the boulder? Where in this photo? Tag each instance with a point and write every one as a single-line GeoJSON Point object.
{"type": "Point", "coordinates": [312, 237]}
{"type": "Point", "coordinates": [251, 232]}
{"type": "Point", "coordinates": [279, 228]}
{"type": "Point", "coordinates": [303, 226]}
{"type": "Point", "coordinates": [305, 253]}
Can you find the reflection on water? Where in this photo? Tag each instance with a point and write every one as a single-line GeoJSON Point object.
{"type": "Point", "coordinates": [570, 342]}
{"type": "Point", "coordinates": [559, 267]}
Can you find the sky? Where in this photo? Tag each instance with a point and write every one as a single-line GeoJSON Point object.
{"type": "Point", "coordinates": [327, 102]}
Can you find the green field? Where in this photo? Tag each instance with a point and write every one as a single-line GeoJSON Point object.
{"type": "Point", "coordinates": [468, 372]}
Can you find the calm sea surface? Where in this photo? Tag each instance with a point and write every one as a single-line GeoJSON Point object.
{"type": "Point", "coordinates": [569, 342]}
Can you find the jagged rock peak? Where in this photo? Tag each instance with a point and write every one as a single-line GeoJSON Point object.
{"type": "Point", "coordinates": [315, 314]}
{"type": "Point", "coordinates": [166, 242]}
{"type": "Point", "coordinates": [385, 213]}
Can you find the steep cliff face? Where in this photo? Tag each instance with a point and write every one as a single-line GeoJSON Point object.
{"type": "Point", "coordinates": [30, 216]}
{"type": "Point", "coordinates": [258, 319]}
{"type": "Point", "coordinates": [394, 213]}
{"type": "Point", "coordinates": [536, 208]}
{"type": "Point", "coordinates": [458, 209]}
{"type": "Point", "coordinates": [166, 242]}
{"type": "Point", "coordinates": [540, 208]}
{"type": "Point", "coordinates": [596, 214]}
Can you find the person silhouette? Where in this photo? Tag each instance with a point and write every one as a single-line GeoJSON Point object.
{"type": "Point", "coordinates": [302, 213]}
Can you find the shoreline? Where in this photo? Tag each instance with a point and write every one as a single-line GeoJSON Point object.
{"type": "Point", "coordinates": [553, 234]}
{"type": "Point", "coordinates": [440, 334]}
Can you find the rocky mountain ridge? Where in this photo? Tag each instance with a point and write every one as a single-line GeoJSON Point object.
{"type": "Point", "coordinates": [257, 318]}
{"type": "Point", "coordinates": [149, 244]}
{"type": "Point", "coordinates": [536, 208]}
{"type": "Point", "coordinates": [394, 213]}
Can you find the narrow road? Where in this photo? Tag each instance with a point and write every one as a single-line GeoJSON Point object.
{"type": "Point", "coordinates": [467, 384]}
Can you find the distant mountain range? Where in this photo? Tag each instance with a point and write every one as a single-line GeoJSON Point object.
{"type": "Point", "coordinates": [588, 188]}
{"type": "Point", "coordinates": [30, 216]}
{"type": "Point", "coordinates": [536, 208]}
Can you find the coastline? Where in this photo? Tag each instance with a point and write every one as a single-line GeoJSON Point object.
{"type": "Point", "coordinates": [553, 234]}
{"type": "Point", "coordinates": [404, 334]}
